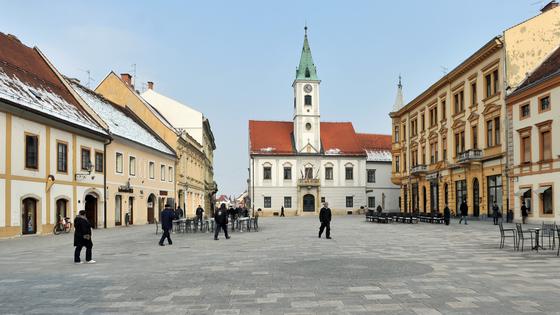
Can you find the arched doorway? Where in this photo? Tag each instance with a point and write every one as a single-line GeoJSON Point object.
{"type": "Point", "coordinates": [61, 210]}
{"type": "Point", "coordinates": [309, 203]}
{"type": "Point", "coordinates": [151, 207]}
{"type": "Point", "coordinates": [29, 216]}
{"type": "Point", "coordinates": [476, 198]}
{"type": "Point", "coordinates": [91, 210]}
{"type": "Point", "coordinates": [131, 210]}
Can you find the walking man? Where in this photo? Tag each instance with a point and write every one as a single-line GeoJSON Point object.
{"type": "Point", "coordinates": [325, 218]}
{"type": "Point", "coordinates": [524, 212]}
{"type": "Point", "coordinates": [282, 211]}
{"type": "Point", "coordinates": [199, 214]}
{"type": "Point", "coordinates": [167, 216]}
{"type": "Point", "coordinates": [496, 212]}
{"type": "Point", "coordinates": [221, 220]}
{"type": "Point", "coordinates": [464, 211]}
{"type": "Point", "coordinates": [82, 238]}
{"type": "Point", "coordinates": [446, 215]}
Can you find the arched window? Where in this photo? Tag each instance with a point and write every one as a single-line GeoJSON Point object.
{"type": "Point", "coordinates": [307, 100]}
{"type": "Point", "coordinates": [29, 216]}
{"type": "Point", "coordinates": [61, 209]}
{"type": "Point", "coordinates": [307, 73]}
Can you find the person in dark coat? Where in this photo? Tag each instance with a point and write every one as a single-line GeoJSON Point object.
{"type": "Point", "coordinates": [82, 238]}
{"type": "Point", "coordinates": [282, 211]}
{"type": "Point", "coordinates": [231, 214]}
{"type": "Point", "coordinates": [379, 209]}
{"type": "Point", "coordinates": [495, 212]}
{"type": "Point", "coordinates": [199, 214]}
{"type": "Point", "coordinates": [180, 213]}
{"type": "Point", "coordinates": [464, 211]}
{"type": "Point", "coordinates": [221, 219]}
{"type": "Point", "coordinates": [524, 212]}
{"type": "Point", "coordinates": [446, 215]}
{"type": "Point", "coordinates": [325, 218]}
{"type": "Point", "coordinates": [167, 217]}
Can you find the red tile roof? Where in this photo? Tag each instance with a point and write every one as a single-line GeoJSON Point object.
{"type": "Point", "coordinates": [276, 138]}
{"type": "Point", "coordinates": [375, 141]}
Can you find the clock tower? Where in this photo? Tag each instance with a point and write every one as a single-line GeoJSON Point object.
{"type": "Point", "coordinates": [307, 123]}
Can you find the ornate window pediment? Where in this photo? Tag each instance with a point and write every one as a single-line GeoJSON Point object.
{"type": "Point", "coordinates": [473, 117]}
{"type": "Point", "coordinates": [490, 109]}
{"type": "Point", "coordinates": [458, 124]}
{"type": "Point", "coordinates": [432, 135]}
{"type": "Point", "coordinates": [443, 130]}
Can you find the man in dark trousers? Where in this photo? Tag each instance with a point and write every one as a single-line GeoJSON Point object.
{"type": "Point", "coordinates": [464, 211]}
{"type": "Point", "coordinates": [221, 219]}
{"type": "Point", "coordinates": [199, 213]}
{"type": "Point", "coordinates": [495, 212]}
{"type": "Point", "coordinates": [82, 238]}
{"type": "Point", "coordinates": [167, 217]}
{"type": "Point", "coordinates": [282, 211]}
{"type": "Point", "coordinates": [325, 218]}
{"type": "Point", "coordinates": [446, 215]}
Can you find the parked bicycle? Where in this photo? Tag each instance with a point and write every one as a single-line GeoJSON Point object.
{"type": "Point", "coordinates": [63, 225]}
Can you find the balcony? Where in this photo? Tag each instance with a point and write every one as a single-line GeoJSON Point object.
{"type": "Point", "coordinates": [310, 182]}
{"type": "Point", "coordinates": [469, 156]}
{"type": "Point", "coordinates": [418, 169]}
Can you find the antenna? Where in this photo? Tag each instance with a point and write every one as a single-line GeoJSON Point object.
{"type": "Point", "coordinates": [133, 73]}
{"type": "Point", "coordinates": [89, 78]}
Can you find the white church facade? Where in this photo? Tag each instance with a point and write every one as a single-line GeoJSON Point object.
{"type": "Point", "coordinates": [301, 164]}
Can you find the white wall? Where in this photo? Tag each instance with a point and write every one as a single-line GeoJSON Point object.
{"type": "Point", "coordinates": [21, 126]}
{"type": "Point", "coordinates": [2, 143]}
{"type": "Point", "coordinates": [383, 186]}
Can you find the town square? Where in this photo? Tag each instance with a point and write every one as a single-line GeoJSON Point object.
{"type": "Point", "coordinates": [289, 157]}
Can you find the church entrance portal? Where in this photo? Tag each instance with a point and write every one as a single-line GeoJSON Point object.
{"type": "Point", "coordinates": [309, 203]}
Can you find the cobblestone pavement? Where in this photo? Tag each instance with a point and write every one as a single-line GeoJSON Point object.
{"type": "Point", "coordinates": [367, 268]}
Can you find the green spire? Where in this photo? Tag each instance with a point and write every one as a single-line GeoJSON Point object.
{"type": "Point", "coordinates": [306, 69]}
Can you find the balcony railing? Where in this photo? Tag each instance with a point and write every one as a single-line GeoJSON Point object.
{"type": "Point", "coordinates": [418, 169]}
{"type": "Point", "coordinates": [469, 156]}
{"type": "Point", "coordinates": [309, 182]}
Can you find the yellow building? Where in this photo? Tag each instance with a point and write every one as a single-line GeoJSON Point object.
{"type": "Point", "coordinates": [52, 149]}
{"type": "Point", "coordinates": [140, 170]}
{"type": "Point", "coordinates": [449, 143]}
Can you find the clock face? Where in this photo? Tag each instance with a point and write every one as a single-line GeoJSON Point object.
{"type": "Point", "coordinates": [308, 88]}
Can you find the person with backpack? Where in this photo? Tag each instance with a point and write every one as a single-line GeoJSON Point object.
{"type": "Point", "coordinates": [221, 219]}
{"type": "Point", "coordinates": [82, 238]}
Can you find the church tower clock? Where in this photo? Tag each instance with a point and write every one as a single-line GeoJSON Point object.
{"type": "Point", "coordinates": [307, 123]}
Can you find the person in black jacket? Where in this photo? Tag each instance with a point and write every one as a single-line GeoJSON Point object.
{"type": "Point", "coordinates": [199, 213]}
{"type": "Point", "coordinates": [167, 217]}
{"type": "Point", "coordinates": [446, 214]}
{"type": "Point", "coordinates": [464, 211]}
{"type": "Point", "coordinates": [524, 213]}
{"type": "Point", "coordinates": [325, 218]}
{"type": "Point", "coordinates": [496, 212]}
{"type": "Point", "coordinates": [82, 238]}
{"type": "Point", "coordinates": [221, 219]}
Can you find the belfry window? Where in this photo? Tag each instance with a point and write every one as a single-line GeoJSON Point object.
{"type": "Point", "coordinates": [307, 100]}
{"type": "Point", "coordinates": [307, 73]}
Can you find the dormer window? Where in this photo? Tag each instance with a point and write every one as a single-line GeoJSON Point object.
{"type": "Point", "coordinates": [307, 100]}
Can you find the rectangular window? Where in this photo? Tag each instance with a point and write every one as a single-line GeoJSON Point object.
{"type": "Point", "coordinates": [473, 94]}
{"type": "Point", "coordinates": [444, 147]}
{"type": "Point", "coordinates": [119, 163]}
{"type": "Point", "coordinates": [489, 134]}
{"type": "Point", "coordinates": [162, 172]}
{"type": "Point", "coordinates": [131, 166]}
{"type": "Point", "coordinates": [396, 133]}
{"type": "Point", "coordinates": [433, 152]}
{"type": "Point", "coordinates": [497, 134]}
{"type": "Point", "coordinates": [170, 173]}
{"type": "Point", "coordinates": [287, 173]}
{"type": "Point", "coordinates": [474, 131]}
{"type": "Point", "coordinates": [456, 103]}
{"type": "Point", "coordinates": [422, 122]}
{"type": "Point", "coordinates": [349, 202]}
{"type": "Point", "coordinates": [371, 202]}
{"type": "Point", "coordinates": [546, 149]}
{"type": "Point", "coordinates": [287, 202]}
{"type": "Point", "coordinates": [309, 173]}
{"type": "Point", "coordinates": [152, 170]}
{"type": "Point", "coordinates": [118, 209]}
{"type": "Point", "coordinates": [546, 198]}
{"type": "Point", "coordinates": [267, 202]}
{"type": "Point", "coordinates": [322, 199]}
{"type": "Point", "coordinates": [525, 111]}
{"type": "Point", "coordinates": [86, 159]}
{"type": "Point", "coordinates": [457, 144]}
{"type": "Point", "coordinates": [544, 104]}
{"type": "Point", "coordinates": [526, 149]}
{"type": "Point", "coordinates": [443, 110]}
{"type": "Point", "coordinates": [32, 152]}
{"type": "Point", "coordinates": [423, 155]}
{"type": "Point", "coordinates": [349, 173]}
{"type": "Point", "coordinates": [99, 162]}
{"type": "Point", "coordinates": [488, 82]}
{"type": "Point", "coordinates": [404, 162]}
{"type": "Point", "coordinates": [62, 157]}
{"type": "Point", "coordinates": [496, 83]}
{"type": "Point", "coordinates": [371, 176]}
{"type": "Point", "coordinates": [462, 141]}
{"type": "Point", "coordinates": [397, 164]}
{"type": "Point", "coordinates": [267, 172]}
{"type": "Point", "coordinates": [329, 173]}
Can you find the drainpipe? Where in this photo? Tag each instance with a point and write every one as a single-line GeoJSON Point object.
{"type": "Point", "coordinates": [253, 185]}
{"type": "Point", "coordinates": [105, 182]}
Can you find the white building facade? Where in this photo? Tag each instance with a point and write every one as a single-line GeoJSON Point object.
{"type": "Point", "coordinates": [300, 165]}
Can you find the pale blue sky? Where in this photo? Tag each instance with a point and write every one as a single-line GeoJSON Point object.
{"type": "Point", "coordinates": [236, 60]}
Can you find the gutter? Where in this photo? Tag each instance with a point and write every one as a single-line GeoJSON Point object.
{"type": "Point", "coordinates": [105, 181]}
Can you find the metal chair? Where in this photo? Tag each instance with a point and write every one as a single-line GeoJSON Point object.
{"type": "Point", "coordinates": [558, 234]}
{"type": "Point", "coordinates": [548, 230]}
{"type": "Point", "coordinates": [521, 236]}
{"type": "Point", "coordinates": [503, 236]}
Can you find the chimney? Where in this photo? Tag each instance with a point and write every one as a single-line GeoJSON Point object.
{"type": "Point", "coordinates": [551, 5]}
{"type": "Point", "coordinates": [150, 85]}
{"type": "Point", "coordinates": [127, 78]}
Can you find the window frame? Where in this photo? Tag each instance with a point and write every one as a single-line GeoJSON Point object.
{"type": "Point", "coordinates": [286, 205]}
{"type": "Point", "coordinates": [528, 106]}
{"type": "Point", "coordinates": [490, 133]}
{"type": "Point", "coordinates": [308, 100]}
{"type": "Point", "coordinates": [474, 93]}
{"type": "Point", "coordinates": [82, 150]}
{"type": "Point", "coordinates": [351, 169]}
{"type": "Point", "coordinates": [267, 199]}
{"type": "Point", "coordinates": [371, 205]}
{"type": "Point", "coordinates": [267, 172]}
{"type": "Point", "coordinates": [539, 103]}
{"type": "Point", "coordinates": [171, 174]}
{"type": "Point", "coordinates": [371, 179]}
{"type": "Point", "coordinates": [541, 199]}
{"type": "Point", "coordinates": [38, 149]}
{"type": "Point", "coordinates": [162, 170]}
{"type": "Point", "coordinates": [131, 170]}
{"type": "Point", "coordinates": [65, 144]}
{"type": "Point", "coordinates": [331, 169]}
{"type": "Point", "coordinates": [542, 132]}
{"type": "Point", "coordinates": [151, 170]}
{"type": "Point", "coordinates": [117, 155]}
{"type": "Point", "coordinates": [95, 155]}
{"type": "Point", "coordinates": [349, 201]}
{"type": "Point", "coordinates": [287, 171]}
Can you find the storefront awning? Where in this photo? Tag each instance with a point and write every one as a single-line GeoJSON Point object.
{"type": "Point", "coordinates": [521, 192]}
{"type": "Point", "coordinates": [541, 190]}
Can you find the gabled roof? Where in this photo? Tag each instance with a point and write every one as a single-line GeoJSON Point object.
{"type": "Point", "coordinates": [549, 68]}
{"type": "Point", "coordinates": [276, 138]}
{"type": "Point", "coordinates": [29, 81]}
{"type": "Point", "coordinates": [306, 69]}
{"type": "Point", "coordinates": [121, 121]}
